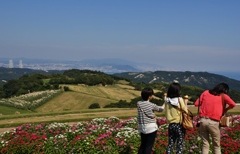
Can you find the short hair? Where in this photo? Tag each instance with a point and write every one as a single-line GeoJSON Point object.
{"type": "Point", "coordinates": [146, 93]}
{"type": "Point", "coordinates": [174, 90]}
{"type": "Point", "coordinates": [220, 88]}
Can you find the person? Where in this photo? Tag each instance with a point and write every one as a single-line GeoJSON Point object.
{"type": "Point", "coordinates": [176, 131]}
{"type": "Point", "coordinates": [147, 125]}
{"type": "Point", "coordinates": [211, 110]}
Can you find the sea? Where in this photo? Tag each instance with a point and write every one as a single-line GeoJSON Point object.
{"type": "Point", "coordinates": [232, 75]}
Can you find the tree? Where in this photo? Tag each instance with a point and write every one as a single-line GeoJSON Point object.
{"type": "Point", "coordinates": [94, 106]}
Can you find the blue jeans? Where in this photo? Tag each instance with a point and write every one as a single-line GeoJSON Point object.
{"type": "Point", "coordinates": [147, 142]}
{"type": "Point", "coordinates": [176, 132]}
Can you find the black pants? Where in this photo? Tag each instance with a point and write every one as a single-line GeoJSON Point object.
{"type": "Point", "coordinates": [147, 141]}
{"type": "Point", "coordinates": [176, 133]}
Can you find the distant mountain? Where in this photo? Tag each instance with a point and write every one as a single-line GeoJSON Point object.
{"type": "Point", "coordinates": [107, 65]}
{"type": "Point", "coordinates": [203, 80]}
{"type": "Point", "coordinates": [138, 66]}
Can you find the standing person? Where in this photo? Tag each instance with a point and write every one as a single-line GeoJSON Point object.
{"type": "Point", "coordinates": [211, 110]}
{"type": "Point", "coordinates": [176, 131]}
{"type": "Point", "coordinates": [147, 125]}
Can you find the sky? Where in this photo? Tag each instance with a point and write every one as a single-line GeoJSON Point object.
{"type": "Point", "coordinates": [186, 35]}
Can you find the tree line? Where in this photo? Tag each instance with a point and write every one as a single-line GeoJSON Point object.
{"type": "Point", "coordinates": [39, 82]}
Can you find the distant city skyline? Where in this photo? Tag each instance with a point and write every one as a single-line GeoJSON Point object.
{"type": "Point", "coordinates": [178, 35]}
{"type": "Point", "coordinates": [103, 65]}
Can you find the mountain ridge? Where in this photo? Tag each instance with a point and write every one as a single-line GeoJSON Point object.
{"type": "Point", "coordinates": [107, 65]}
{"type": "Point", "coordinates": [203, 80]}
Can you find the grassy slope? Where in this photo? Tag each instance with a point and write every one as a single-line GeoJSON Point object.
{"type": "Point", "coordinates": [9, 110]}
{"type": "Point", "coordinates": [82, 96]}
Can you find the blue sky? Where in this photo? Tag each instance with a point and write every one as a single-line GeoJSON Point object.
{"type": "Point", "coordinates": [187, 35]}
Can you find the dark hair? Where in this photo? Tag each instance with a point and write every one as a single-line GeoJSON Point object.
{"type": "Point", "coordinates": [174, 90]}
{"type": "Point", "coordinates": [146, 92]}
{"type": "Point", "coordinates": [220, 88]}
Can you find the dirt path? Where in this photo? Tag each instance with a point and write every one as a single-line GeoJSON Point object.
{"type": "Point", "coordinates": [2, 130]}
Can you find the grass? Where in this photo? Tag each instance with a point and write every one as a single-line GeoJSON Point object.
{"type": "Point", "coordinates": [113, 92]}
{"type": "Point", "coordinates": [64, 116]}
{"type": "Point", "coordinates": [10, 110]}
{"type": "Point", "coordinates": [81, 97]}
{"type": "Point", "coordinates": [72, 101]}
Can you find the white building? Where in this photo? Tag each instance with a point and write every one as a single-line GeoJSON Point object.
{"type": "Point", "coordinates": [10, 64]}
{"type": "Point", "coordinates": [20, 64]}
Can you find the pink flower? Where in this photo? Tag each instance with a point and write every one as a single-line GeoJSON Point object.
{"type": "Point", "coordinates": [44, 137]}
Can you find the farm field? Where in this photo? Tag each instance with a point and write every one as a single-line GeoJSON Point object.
{"type": "Point", "coordinates": [81, 97]}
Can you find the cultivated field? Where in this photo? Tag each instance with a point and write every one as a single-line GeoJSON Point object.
{"type": "Point", "coordinates": [81, 97]}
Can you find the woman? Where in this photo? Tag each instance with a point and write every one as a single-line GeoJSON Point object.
{"type": "Point", "coordinates": [211, 110]}
{"type": "Point", "coordinates": [176, 131]}
{"type": "Point", "coordinates": [147, 121]}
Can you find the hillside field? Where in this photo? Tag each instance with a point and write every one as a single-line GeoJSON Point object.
{"type": "Point", "coordinates": [82, 96]}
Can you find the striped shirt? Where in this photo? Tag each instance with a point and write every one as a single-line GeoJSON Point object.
{"type": "Point", "coordinates": [149, 109]}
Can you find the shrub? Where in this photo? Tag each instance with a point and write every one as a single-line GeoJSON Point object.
{"type": "Point", "coordinates": [66, 88]}
{"type": "Point", "coordinates": [94, 106]}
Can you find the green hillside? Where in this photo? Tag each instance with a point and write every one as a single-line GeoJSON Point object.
{"type": "Point", "coordinates": [81, 88]}
{"type": "Point", "coordinates": [78, 98]}
{"type": "Point", "coordinates": [4, 110]}
{"type": "Point", "coordinates": [82, 96]}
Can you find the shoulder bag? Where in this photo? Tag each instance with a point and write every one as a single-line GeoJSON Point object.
{"type": "Point", "coordinates": [187, 117]}
{"type": "Point", "coordinates": [226, 119]}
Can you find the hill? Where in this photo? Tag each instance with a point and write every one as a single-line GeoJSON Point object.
{"type": "Point", "coordinates": [7, 74]}
{"type": "Point", "coordinates": [203, 80]}
{"type": "Point", "coordinates": [78, 98]}
{"type": "Point", "coordinates": [82, 96]}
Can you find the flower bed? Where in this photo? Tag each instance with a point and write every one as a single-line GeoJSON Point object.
{"type": "Point", "coordinates": [102, 135]}
{"type": "Point", "coordinates": [31, 100]}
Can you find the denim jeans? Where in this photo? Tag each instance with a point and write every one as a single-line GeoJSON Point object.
{"type": "Point", "coordinates": [210, 130]}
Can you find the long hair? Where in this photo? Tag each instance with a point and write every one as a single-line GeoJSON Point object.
{"type": "Point", "coordinates": [220, 88]}
{"type": "Point", "coordinates": [174, 90]}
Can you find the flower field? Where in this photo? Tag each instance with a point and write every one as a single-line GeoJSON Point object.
{"type": "Point", "coordinates": [31, 100]}
{"type": "Point", "coordinates": [102, 135]}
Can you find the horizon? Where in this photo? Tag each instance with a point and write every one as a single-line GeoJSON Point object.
{"type": "Point", "coordinates": [232, 75]}
{"type": "Point", "coordinates": [182, 36]}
